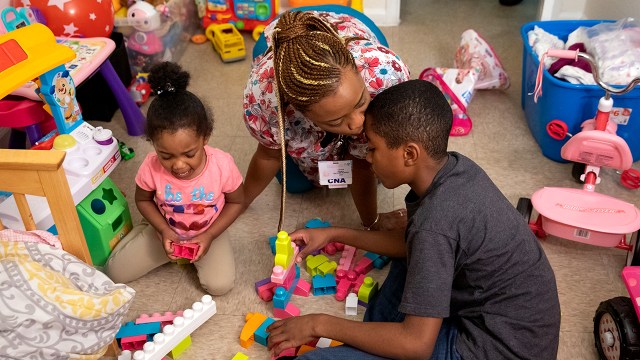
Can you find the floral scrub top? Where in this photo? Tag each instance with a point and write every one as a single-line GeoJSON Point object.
{"type": "Point", "coordinates": [379, 67]}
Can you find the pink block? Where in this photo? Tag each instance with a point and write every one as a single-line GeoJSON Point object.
{"type": "Point", "coordinates": [289, 311]}
{"type": "Point", "coordinates": [363, 266]}
{"type": "Point", "coordinates": [157, 317]}
{"type": "Point", "coordinates": [185, 250]}
{"type": "Point", "coordinates": [133, 342]}
{"type": "Point", "coordinates": [348, 254]}
{"type": "Point", "coordinates": [357, 283]}
{"type": "Point", "coordinates": [302, 288]}
{"type": "Point", "coordinates": [343, 289]}
{"type": "Point", "coordinates": [266, 291]}
{"type": "Point", "coordinates": [288, 352]}
{"type": "Point", "coordinates": [291, 276]}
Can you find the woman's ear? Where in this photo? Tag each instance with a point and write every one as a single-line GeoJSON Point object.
{"type": "Point", "coordinates": [412, 153]}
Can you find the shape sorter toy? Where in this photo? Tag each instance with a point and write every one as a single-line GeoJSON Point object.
{"type": "Point", "coordinates": [243, 14]}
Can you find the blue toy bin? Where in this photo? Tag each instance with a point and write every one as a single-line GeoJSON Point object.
{"type": "Point", "coordinates": [565, 101]}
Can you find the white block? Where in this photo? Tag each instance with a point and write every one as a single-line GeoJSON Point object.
{"type": "Point", "coordinates": [173, 334]}
{"type": "Point", "coordinates": [351, 304]}
{"type": "Point", "coordinates": [323, 342]}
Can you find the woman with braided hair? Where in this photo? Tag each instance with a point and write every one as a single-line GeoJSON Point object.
{"type": "Point", "coordinates": [318, 75]}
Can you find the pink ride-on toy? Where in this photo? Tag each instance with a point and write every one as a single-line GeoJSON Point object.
{"type": "Point", "coordinates": [586, 216]}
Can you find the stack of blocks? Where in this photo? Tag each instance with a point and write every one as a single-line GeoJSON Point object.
{"type": "Point", "coordinates": [175, 336]}
{"type": "Point", "coordinates": [255, 330]}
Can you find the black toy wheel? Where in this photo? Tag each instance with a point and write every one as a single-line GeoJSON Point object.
{"type": "Point", "coordinates": [616, 330]}
{"type": "Point", "coordinates": [633, 257]}
{"type": "Point", "coordinates": [524, 207]}
{"type": "Point", "coordinates": [578, 170]}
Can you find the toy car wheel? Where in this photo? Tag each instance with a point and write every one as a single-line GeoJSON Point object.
{"type": "Point", "coordinates": [616, 330]}
{"type": "Point", "coordinates": [524, 207]}
{"type": "Point", "coordinates": [578, 170]}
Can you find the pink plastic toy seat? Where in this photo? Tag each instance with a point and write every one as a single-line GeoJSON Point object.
{"type": "Point", "coordinates": [598, 148]}
{"type": "Point", "coordinates": [585, 216]}
{"type": "Point", "coordinates": [27, 115]}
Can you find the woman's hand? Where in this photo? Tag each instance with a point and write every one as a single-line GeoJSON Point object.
{"type": "Point", "coordinates": [168, 238]}
{"type": "Point", "coordinates": [311, 239]}
{"type": "Point", "coordinates": [393, 220]}
{"type": "Point", "coordinates": [291, 333]}
{"type": "Point", "coordinates": [204, 240]}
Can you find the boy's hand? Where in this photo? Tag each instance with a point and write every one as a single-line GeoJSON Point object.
{"type": "Point", "coordinates": [311, 239]}
{"type": "Point", "coordinates": [393, 220]}
{"type": "Point", "coordinates": [168, 238]}
{"type": "Point", "coordinates": [290, 333]}
{"type": "Point", "coordinates": [204, 241]}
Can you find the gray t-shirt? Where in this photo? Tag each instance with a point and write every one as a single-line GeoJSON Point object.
{"type": "Point", "coordinates": [472, 257]}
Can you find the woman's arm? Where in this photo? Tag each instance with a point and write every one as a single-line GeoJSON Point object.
{"type": "Point", "coordinates": [263, 167]}
{"type": "Point", "coordinates": [364, 190]}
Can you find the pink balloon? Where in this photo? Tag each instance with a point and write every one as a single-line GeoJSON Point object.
{"type": "Point", "coordinates": [75, 18]}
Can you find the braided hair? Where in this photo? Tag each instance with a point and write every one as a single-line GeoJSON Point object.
{"type": "Point", "coordinates": [309, 58]}
{"type": "Point", "coordinates": [175, 108]}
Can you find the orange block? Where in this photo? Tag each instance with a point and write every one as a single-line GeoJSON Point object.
{"type": "Point", "coordinates": [303, 349]}
{"type": "Point", "coordinates": [253, 322]}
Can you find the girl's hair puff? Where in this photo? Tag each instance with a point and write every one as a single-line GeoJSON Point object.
{"type": "Point", "coordinates": [175, 108]}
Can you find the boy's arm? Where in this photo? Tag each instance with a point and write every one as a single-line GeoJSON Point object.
{"type": "Point", "coordinates": [414, 338]}
{"type": "Point", "coordinates": [388, 243]}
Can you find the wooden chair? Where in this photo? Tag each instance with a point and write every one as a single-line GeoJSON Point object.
{"type": "Point", "coordinates": [40, 173]}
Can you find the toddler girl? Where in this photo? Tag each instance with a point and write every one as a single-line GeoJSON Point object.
{"type": "Point", "coordinates": [187, 191]}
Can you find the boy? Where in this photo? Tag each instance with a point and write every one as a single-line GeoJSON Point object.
{"type": "Point", "coordinates": [470, 280]}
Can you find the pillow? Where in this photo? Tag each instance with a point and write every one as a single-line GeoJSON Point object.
{"type": "Point", "coordinates": [55, 306]}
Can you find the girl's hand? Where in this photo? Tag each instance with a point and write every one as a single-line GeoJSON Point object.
{"type": "Point", "coordinates": [168, 238]}
{"type": "Point", "coordinates": [204, 241]}
{"type": "Point", "coordinates": [290, 333]}
{"type": "Point", "coordinates": [393, 220]}
{"type": "Point", "coordinates": [311, 239]}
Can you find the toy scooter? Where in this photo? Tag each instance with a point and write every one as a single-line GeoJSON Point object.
{"type": "Point", "coordinates": [586, 216]}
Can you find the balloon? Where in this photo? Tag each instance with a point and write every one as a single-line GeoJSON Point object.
{"type": "Point", "coordinates": [75, 18]}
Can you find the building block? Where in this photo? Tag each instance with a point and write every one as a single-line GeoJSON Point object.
{"type": "Point", "coordinates": [330, 249]}
{"type": "Point", "coordinates": [302, 288]}
{"type": "Point", "coordinates": [272, 244]}
{"type": "Point", "coordinates": [324, 285]}
{"type": "Point", "coordinates": [185, 250]}
{"type": "Point", "coordinates": [181, 347]}
{"type": "Point", "coordinates": [133, 342]}
{"type": "Point", "coordinates": [313, 262]}
{"type": "Point", "coordinates": [262, 282]}
{"type": "Point", "coordinates": [358, 283]}
{"type": "Point", "coordinates": [289, 311]}
{"type": "Point", "coordinates": [367, 290]}
{"type": "Point", "coordinates": [253, 322]}
{"type": "Point", "coordinates": [261, 334]}
{"type": "Point", "coordinates": [288, 352]}
{"type": "Point", "coordinates": [265, 289]}
{"type": "Point", "coordinates": [303, 349]}
{"type": "Point", "coordinates": [363, 266]}
{"type": "Point", "coordinates": [363, 304]}
{"type": "Point", "coordinates": [317, 223]}
{"type": "Point", "coordinates": [240, 356]}
{"type": "Point", "coordinates": [131, 329]}
{"type": "Point", "coordinates": [372, 256]}
{"type": "Point", "coordinates": [339, 246]}
{"type": "Point", "coordinates": [348, 254]}
{"type": "Point", "coordinates": [284, 250]}
{"type": "Point", "coordinates": [323, 343]}
{"type": "Point", "coordinates": [326, 268]}
{"type": "Point", "coordinates": [335, 343]}
{"type": "Point", "coordinates": [351, 304]}
{"type": "Point", "coordinates": [125, 355]}
{"type": "Point", "coordinates": [164, 319]}
{"type": "Point", "coordinates": [281, 298]}
{"type": "Point", "coordinates": [174, 334]}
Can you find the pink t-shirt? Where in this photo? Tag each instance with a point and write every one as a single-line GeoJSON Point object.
{"type": "Point", "coordinates": [191, 206]}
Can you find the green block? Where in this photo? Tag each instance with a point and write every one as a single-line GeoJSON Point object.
{"type": "Point", "coordinates": [181, 347]}
{"type": "Point", "coordinates": [105, 220]}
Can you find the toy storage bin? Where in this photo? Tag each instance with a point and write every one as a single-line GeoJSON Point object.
{"type": "Point", "coordinates": [568, 102]}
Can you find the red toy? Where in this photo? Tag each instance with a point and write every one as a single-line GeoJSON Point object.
{"type": "Point", "coordinates": [185, 250]}
{"type": "Point", "coordinates": [75, 18]}
{"type": "Point", "coordinates": [244, 14]}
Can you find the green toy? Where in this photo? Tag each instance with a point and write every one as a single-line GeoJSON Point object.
{"type": "Point", "coordinates": [125, 151]}
{"type": "Point", "coordinates": [105, 220]}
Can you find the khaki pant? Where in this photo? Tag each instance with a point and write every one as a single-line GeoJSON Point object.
{"type": "Point", "coordinates": [141, 251]}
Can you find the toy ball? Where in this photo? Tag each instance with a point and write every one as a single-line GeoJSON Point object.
{"type": "Point", "coordinates": [75, 18]}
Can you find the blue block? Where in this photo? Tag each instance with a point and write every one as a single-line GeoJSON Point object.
{"type": "Point", "coordinates": [281, 298]}
{"type": "Point", "coordinates": [323, 285]}
{"type": "Point", "coordinates": [261, 334]}
{"type": "Point", "coordinates": [272, 244]}
{"type": "Point", "coordinates": [381, 262]}
{"type": "Point", "coordinates": [316, 223]}
{"type": "Point", "coordinates": [132, 329]}
{"type": "Point", "coordinates": [372, 256]}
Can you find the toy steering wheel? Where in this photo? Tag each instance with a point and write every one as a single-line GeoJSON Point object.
{"type": "Point", "coordinates": [557, 129]}
{"type": "Point", "coordinates": [630, 179]}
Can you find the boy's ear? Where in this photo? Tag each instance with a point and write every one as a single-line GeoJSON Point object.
{"type": "Point", "coordinates": [412, 153]}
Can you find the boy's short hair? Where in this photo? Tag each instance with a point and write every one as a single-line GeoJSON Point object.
{"type": "Point", "coordinates": [412, 111]}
